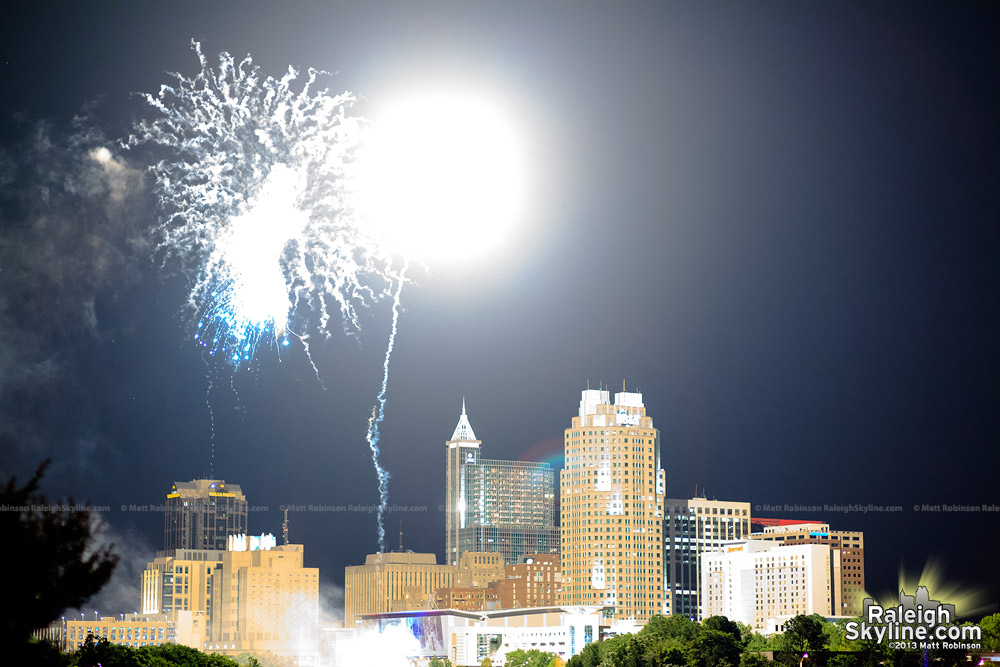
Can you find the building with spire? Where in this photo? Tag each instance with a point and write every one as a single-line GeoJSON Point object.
{"type": "Point", "coordinates": [611, 490]}
{"type": "Point", "coordinates": [494, 505]}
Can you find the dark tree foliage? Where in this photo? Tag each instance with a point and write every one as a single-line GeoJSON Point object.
{"type": "Point", "coordinates": [754, 660]}
{"type": "Point", "coordinates": [719, 642]}
{"type": "Point", "coordinates": [52, 552]}
{"type": "Point", "coordinates": [712, 648]}
{"type": "Point", "coordinates": [674, 627]}
{"type": "Point", "coordinates": [725, 626]}
{"type": "Point", "coordinates": [804, 634]}
{"type": "Point", "coordinates": [101, 653]}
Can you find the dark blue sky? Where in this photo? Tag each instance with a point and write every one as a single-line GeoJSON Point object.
{"type": "Point", "coordinates": [780, 222]}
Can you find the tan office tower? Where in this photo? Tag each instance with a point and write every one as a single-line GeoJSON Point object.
{"type": "Point", "coordinates": [611, 490]}
{"type": "Point", "coordinates": [265, 601]}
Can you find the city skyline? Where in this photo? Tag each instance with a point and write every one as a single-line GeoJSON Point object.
{"type": "Point", "coordinates": [788, 212]}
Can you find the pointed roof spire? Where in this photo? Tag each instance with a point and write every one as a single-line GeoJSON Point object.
{"type": "Point", "coordinates": [464, 430]}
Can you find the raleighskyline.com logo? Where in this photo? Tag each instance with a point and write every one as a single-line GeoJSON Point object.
{"type": "Point", "coordinates": [917, 623]}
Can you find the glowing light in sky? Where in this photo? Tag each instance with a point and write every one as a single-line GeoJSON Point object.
{"type": "Point", "coordinates": [441, 175]}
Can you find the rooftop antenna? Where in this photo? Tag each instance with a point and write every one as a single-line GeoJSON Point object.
{"type": "Point", "coordinates": [284, 528]}
{"type": "Point", "coordinates": [401, 527]}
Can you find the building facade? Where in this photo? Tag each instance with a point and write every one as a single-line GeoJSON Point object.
{"type": "Point", "coordinates": [477, 569]}
{"type": "Point", "coordinates": [467, 638]}
{"type": "Point", "coordinates": [611, 494]}
{"type": "Point", "coordinates": [267, 601]}
{"type": "Point", "coordinates": [535, 582]}
{"type": "Point", "coordinates": [133, 630]}
{"type": "Point", "coordinates": [202, 514]}
{"type": "Point", "coordinates": [393, 581]}
{"type": "Point", "coordinates": [179, 580]}
{"type": "Point", "coordinates": [493, 505]}
{"type": "Point", "coordinates": [466, 599]}
{"type": "Point", "coordinates": [847, 560]}
{"type": "Point", "coordinates": [691, 528]}
{"type": "Point", "coordinates": [764, 584]}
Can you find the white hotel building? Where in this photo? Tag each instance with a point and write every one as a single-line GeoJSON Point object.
{"type": "Point", "coordinates": [764, 584]}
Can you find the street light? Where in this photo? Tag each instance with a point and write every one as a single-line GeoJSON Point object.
{"type": "Point", "coordinates": [804, 656]}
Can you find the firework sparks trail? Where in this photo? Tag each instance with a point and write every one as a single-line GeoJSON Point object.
{"type": "Point", "coordinates": [378, 414]}
{"type": "Point", "coordinates": [256, 205]}
{"type": "Point", "coordinates": [256, 210]}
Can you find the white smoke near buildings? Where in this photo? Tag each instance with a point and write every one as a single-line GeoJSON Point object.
{"type": "Point", "coordinates": [122, 593]}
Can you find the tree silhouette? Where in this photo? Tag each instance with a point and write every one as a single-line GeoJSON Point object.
{"type": "Point", "coordinates": [50, 556]}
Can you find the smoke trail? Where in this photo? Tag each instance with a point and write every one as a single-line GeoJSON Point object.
{"type": "Point", "coordinates": [378, 414]}
{"type": "Point", "coordinates": [211, 429]}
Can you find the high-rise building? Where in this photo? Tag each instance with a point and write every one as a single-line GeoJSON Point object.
{"type": "Point", "coordinates": [692, 528]}
{"type": "Point", "coordinates": [265, 601]}
{"type": "Point", "coordinates": [764, 584]}
{"type": "Point", "coordinates": [494, 505]}
{"type": "Point", "coordinates": [847, 560]}
{"type": "Point", "coordinates": [611, 495]}
{"type": "Point", "coordinates": [202, 514]}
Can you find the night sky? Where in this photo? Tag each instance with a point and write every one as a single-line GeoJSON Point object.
{"type": "Point", "coordinates": [778, 221]}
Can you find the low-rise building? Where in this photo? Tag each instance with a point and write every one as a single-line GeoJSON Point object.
{"type": "Point", "coordinates": [467, 638]}
{"type": "Point", "coordinates": [385, 578]}
{"type": "Point", "coordinates": [125, 629]}
{"type": "Point", "coordinates": [534, 582]}
{"type": "Point", "coordinates": [407, 581]}
{"type": "Point", "coordinates": [466, 599]}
